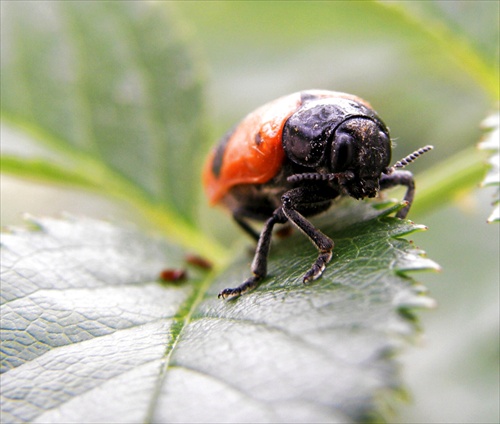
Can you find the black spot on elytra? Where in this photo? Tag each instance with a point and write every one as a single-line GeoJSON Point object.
{"type": "Point", "coordinates": [219, 152]}
{"type": "Point", "coordinates": [258, 138]}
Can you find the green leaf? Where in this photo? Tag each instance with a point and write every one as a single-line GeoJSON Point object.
{"type": "Point", "coordinates": [90, 334]}
{"type": "Point", "coordinates": [112, 87]}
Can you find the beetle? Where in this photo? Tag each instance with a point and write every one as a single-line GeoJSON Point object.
{"type": "Point", "coordinates": [289, 159]}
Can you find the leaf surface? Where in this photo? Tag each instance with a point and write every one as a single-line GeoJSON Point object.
{"type": "Point", "coordinates": [89, 332]}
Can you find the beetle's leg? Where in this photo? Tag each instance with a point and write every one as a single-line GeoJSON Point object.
{"type": "Point", "coordinates": [323, 243]}
{"type": "Point", "coordinates": [404, 178]}
{"type": "Point", "coordinates": [245, 226]}
{"type": "Point", "coordinates": [259, 264]}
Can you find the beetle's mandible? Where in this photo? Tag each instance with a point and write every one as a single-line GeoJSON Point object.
{"type": "Point", "coordinates": [290, 158]}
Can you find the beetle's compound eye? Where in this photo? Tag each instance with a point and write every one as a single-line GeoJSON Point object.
{"type": "Point", "coordinates": [342, 151]}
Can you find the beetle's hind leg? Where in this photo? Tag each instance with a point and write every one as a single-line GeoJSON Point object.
{"type": "Point", "coordinates": [283, 232]}
{"type": "Point", "coordinates": [259, 264]}
{"type": "Point", "coordinates": [323, 243]}
{"type": "Point", "coordinates": [245, 226]}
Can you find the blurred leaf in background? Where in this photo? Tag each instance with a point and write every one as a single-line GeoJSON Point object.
{"type": "Point", "coordinates": [91, 97]}
{"type": "Point", "coordinates": [428, 69]}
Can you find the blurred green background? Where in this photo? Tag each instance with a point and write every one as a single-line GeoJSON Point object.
{"type": "Point", "coordinates": [429, 69]}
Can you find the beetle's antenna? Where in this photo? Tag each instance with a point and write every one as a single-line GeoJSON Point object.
{"type": "Point", "coordinates": [408, 159]}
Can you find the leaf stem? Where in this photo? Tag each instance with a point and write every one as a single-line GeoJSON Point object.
{"type": "Point", "coordinates": [105, 181]}
{"type": "Point", "coordinates": [449, 179]}
{"type": "Point", "coordinates": [459, 49]}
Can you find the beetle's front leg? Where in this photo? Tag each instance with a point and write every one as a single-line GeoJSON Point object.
{"type": "Point", "coordinates": [404, 178]}
{"type": "Point", "coordinates": [291, 200]}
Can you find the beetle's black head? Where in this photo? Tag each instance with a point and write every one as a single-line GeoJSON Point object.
{"type": "Point", "coordinates": [347, 140]}
{"type": "Point", "coordinates": [362, 149]}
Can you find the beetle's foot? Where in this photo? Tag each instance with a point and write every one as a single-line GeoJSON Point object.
{"type": "Point", "coordinates": [248, 285]}
{"type": "Point", "coordinates": [318, 267]}
{"type": "Point", "coordinates": [229, 293]}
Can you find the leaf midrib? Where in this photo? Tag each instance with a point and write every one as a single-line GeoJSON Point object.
{"type": "Point", "coordinates": [180, 321]}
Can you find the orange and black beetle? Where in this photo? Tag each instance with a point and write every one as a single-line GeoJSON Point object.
{"type": "Point", "coordinates": [290, 158]}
